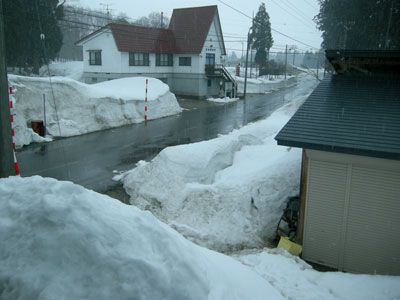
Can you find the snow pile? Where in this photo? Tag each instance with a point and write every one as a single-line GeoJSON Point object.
{"type": "Point", "coordinates": [223, 100]}
{"type": "Point", "coordinates": [226, 193]}
{"type": "Point", "coordinates": [265, 84]}
{"type": "Point", "coordinates": [23, 134]}
{"type": "Point", "coordinates": [61, 241]}
{"type": "Point", "coordinates": [70, 69]}
{"type": "Point", "coordinates": [261, 84]}
{"type": "Point", "coordinates": [295, 279]}
{"type": "Point", "coordinates": [83, 108]}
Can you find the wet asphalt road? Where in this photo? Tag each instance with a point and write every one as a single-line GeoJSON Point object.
{"type": "Point", "coordinates": [90, 159]}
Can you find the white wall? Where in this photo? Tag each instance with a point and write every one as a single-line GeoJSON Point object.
{"type": "Point", "coordinates": [110, 56]}
{"type": "Point", "coordinates": [194, 68]}
{"type": "Point", "coordinates": [114, 61]}
{"type": "Point", "coordinates": [213, 44]}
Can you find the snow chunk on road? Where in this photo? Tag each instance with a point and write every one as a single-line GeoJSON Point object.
{"type": "Point", "coordinates": [295, 279]}
{"type": "Point", "coordinates": [223, 100]}
{"type": "Point", "coordinates": [61, 241]}
{"type": "Point", "coordinates": [83, 108]}
{"type": "Point", "coordinates": [226, 193]}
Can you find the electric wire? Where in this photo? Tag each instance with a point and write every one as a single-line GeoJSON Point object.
{"type": "Point", "coordinates": [274, 30]}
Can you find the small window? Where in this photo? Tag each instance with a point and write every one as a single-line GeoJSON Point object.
{"type": "Point", "coordinates": [185, 61]}
{"type": "Point", "coordinates": [94, 79]}
{"type": "Point", "coordinates": [210, 59]}
{"type": "Point", "coordinates": [164, 60]}
{"type": "Point", "coordinates": [138, 59]}
{"type": "Point", "coordinates": [95, 57]}
{"type": "Point", "coordinates": [209, 82]}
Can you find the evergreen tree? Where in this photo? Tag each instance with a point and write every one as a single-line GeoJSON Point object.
{"type": "Point", "coordinates": [23, 19]}
{"type": "Point", "coordinates": [261, 36]}
{"type": "Point", "coordinates": [359, 24]}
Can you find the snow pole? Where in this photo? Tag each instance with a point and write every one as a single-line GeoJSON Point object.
{"type": "Point", "coordinates": [12, 114]}
{"type": "Point", "coordinates": [145, 103]}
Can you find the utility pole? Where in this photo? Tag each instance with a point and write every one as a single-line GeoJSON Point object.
{"type": "Point", "coordinates": [247, 62]}
{"type": "Point", "coordinates": [241, 59]}
{"type": "Point", "coordinates": [108, 10]}
{"type": "Point", "coordinates": [251, 50]}
{"type": "Point", "coordinates": [247, 59]}
{"type": "Point", "coordinates": [285, 62]}
{"type": "Point", "coordinates": [388, 26]}
{"type": "Point", "coordinates": [294, 55]}
{"type": "Point", "coordinates": [6, 150]}
{"type": "Point", "coordinates": [251, 60]}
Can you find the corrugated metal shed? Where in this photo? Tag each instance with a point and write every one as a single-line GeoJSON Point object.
{"type": "Point", "coordinates": [349, 113]}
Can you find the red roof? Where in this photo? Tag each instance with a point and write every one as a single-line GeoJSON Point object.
{"type": "Point", "coordinates": [191, 26]}
{"type": "Point", "coordinates": [186, 34]}
{"type": "Point", "coordinates": [132, 38]}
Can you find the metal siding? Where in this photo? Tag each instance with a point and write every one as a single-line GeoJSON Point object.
{"type": "Point", "coordinates": [324, 212]}
{"type": "Point", "coordinates": [352, 213]}
{"type": "Point", "coordinates": [373, 240]}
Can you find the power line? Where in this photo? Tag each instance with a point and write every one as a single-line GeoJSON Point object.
{"type": "Point", "coordinates": [298, 11]}
{"type": "Point", "coordinates": [311, 5]}
{"type": "Point", "coordinates": [274, 30]}
{"type": "Point", "coordinates": [298, 17]}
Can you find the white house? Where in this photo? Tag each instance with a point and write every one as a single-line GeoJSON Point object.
{"type": "Point", "coordinates": [187, 56]}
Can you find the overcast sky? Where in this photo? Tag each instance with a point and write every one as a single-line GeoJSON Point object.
{"type": "Point", "coordinates": [291, 17]}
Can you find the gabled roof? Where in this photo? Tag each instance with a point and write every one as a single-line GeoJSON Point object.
{"type": "Point", "coordinates": [131, 38]}
{"type": "Point", "coordinates": [187, 33]}
{"type": "Point", "coordinates": [349, 113]}
{"type": "Point", "coordinates": [191, 26]}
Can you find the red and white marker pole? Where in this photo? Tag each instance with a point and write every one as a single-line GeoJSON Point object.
{"type": "Point", "coordinates": [16, 166]}
{"type": "Point", "coordinates": [145, 103]}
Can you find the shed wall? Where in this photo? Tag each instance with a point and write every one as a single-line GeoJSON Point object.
{"type": "Point", "coordinates": [352, 213]}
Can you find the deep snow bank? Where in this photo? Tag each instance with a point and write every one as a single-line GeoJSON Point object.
{"type": "Point", "coordinates": [295, 279]}
{"type": "Point", "coordinates": [70, 69]}
{"type": "Point", "coordinates": [226, 193]}
{"type": "Point", "coordinates": [84, 108]}
{"type": "Point", "coordinates": [61, 241]}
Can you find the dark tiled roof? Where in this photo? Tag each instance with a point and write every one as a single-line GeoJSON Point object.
{"type": "Point", "coordinates": [349, 113]}
{"type": "Point", "coordinates": [131, 38]}
{"type": "Point", "coordinates": [191, 26]}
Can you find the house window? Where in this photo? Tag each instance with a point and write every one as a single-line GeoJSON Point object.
{"type": "Point", "coordinates": [95, 57]}
{"type": "Point", "coordinates": [210, 59]}
{"type": "Point", "coordinates": [185, 61]}
{"type": "Point", "coordinates": [209, 82]}
{"type": "Point", "coordinates": [164, 60]}
{"type": "Point", "coordinates": [138, 59]}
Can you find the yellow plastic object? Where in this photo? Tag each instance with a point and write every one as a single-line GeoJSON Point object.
{"type": "Point", "coordinates": [291, 247]}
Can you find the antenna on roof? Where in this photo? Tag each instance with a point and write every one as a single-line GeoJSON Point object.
{"type": "Point", "coordinates": [108, 9]}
